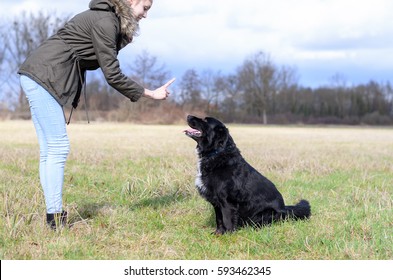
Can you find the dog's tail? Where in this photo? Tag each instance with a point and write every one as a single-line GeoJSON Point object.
{"type": "Point", "coordinates": [302, 210]}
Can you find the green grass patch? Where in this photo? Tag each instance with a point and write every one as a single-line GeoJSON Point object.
{"type": "Point", "coordinates": [130, 194]}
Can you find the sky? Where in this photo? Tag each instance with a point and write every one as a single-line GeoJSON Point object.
{"type": "Point", "coordinates": [352, 39]}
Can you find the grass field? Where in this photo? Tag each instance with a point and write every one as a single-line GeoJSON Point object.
{"type": "Point", "coordinates": [129, 190]}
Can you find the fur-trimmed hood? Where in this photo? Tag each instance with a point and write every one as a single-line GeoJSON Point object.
{"type": "Point", "coordinates": [128, 24]}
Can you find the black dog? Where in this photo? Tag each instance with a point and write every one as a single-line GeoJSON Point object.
{"type": "Point", "coordinates": [239, 194]}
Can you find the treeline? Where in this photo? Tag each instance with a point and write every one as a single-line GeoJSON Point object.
{"type": "Point", "coordinates": [258, 90]}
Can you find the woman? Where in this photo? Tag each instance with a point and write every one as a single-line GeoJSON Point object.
{"type": "Point", "coordinates": [55, 73]}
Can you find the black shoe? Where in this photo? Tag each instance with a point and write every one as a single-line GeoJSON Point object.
{"type": "Point", "coordinates": [57, 220]}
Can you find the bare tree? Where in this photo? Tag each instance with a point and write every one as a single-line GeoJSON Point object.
{"type": "Point", "coordinates": [287, 87]}
{"type": "Point", "coordinates": [230, 93]}
{"type": "Point", "coordinates": [2, 47]}
{"type": "Point", "coordinates": [3, 77]}
{"type": "Point", "coordinates": [211, 90]}
{"type": "Point", "coordinates": [191, 90]}
{"type": "Point", "coordinates": [258, 78]}
{"type": "Point", "coordinates": [21, 36]}
{"type": "Point", "coordinates": [147, 70]}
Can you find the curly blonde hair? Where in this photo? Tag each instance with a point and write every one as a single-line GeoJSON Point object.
{"type": "Point", "coordinates": [128, 24]}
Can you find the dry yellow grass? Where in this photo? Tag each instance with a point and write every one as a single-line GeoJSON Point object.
{"type": "Point", "coordinates": [129, 190]}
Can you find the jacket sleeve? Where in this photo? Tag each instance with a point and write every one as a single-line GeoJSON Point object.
{"type": "Point", "coordinates": [104, 34]}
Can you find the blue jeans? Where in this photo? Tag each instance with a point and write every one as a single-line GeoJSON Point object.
{"type": "Point", "coordinates": [49, 122]}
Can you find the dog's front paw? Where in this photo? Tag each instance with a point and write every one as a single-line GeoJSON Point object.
{"type": "Point", "coordinates": [219, 231]}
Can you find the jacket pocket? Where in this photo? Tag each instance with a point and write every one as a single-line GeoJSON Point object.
{"type": "Point", "coordinates": [64, 78]}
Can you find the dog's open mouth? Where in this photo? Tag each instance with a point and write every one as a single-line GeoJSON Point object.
{"type": "Point", "coordinates": [193, 132]}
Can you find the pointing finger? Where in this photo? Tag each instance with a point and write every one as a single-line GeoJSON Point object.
{"type": "Point", "coordinates": [169, 83]}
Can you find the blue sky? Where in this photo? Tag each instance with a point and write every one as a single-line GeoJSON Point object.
{"type": "Point", "coordinates": [320, 38]}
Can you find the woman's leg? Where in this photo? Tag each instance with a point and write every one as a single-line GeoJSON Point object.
{"type": "Point", "coordinates": [48, 118]}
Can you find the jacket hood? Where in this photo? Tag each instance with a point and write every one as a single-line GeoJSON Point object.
{"type": "Point", "coordinates": [128, 24]}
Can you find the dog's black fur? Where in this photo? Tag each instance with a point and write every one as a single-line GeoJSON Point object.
{"type": "Point", "coordinates": [239, 194]}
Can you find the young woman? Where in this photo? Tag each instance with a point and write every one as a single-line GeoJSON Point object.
{"type": "Point", "coordinates": [54, 73]}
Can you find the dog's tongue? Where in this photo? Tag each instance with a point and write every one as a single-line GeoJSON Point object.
{"type": "Point", "coordinates": [191, 130]}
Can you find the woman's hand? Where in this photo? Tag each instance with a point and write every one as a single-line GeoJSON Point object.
{"type": "Point", "coordinates": [160, 93]}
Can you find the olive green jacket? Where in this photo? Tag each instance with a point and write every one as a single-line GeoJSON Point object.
{"type": "Point", "coordinates": [90, 40]}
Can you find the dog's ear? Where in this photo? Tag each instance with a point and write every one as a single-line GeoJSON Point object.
{"type": "Point", "coordinates": [222, 137]}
